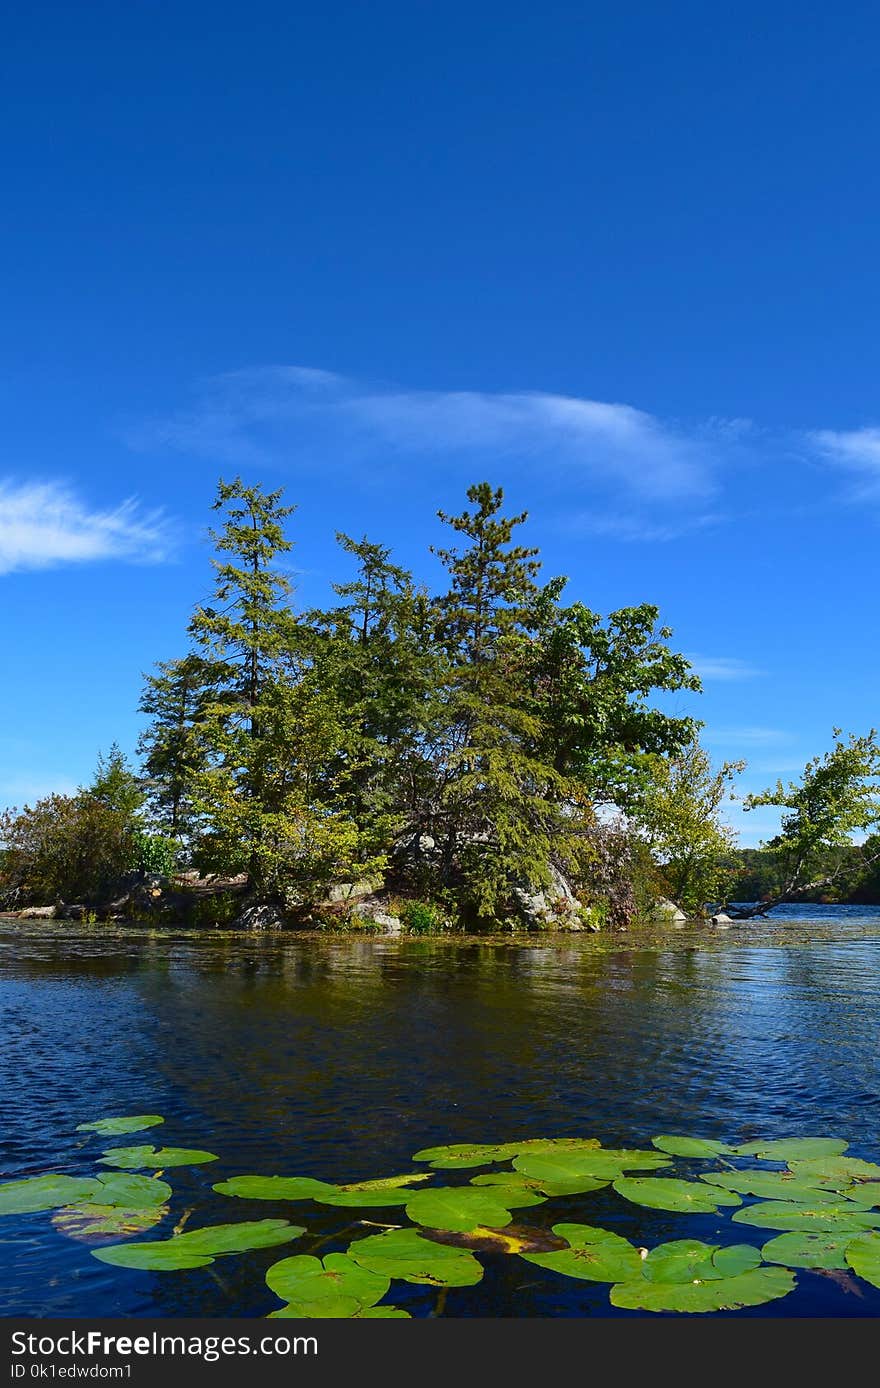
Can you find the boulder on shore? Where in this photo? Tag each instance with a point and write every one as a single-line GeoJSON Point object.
{"type": "Point", "coordinates": [553, 905]}
{"type": "Point", "coordinates": [722, 918]}
{"type": "Point", "coordinates": [391, 925]}
{"type": "Point", "coordinates": [259, 916]}
{"type": "Point", "coordinates": [36, 913]}
{"type": "Point", "coordinates": [667, 913]}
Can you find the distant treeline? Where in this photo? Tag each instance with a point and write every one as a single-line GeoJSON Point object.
{"type": "Point", "coordinates": [757, 875]}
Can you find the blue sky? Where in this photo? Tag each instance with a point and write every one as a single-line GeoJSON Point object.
{"type": "Point", "coordinates": [620, 260]}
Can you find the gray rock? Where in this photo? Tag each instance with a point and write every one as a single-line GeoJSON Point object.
{"type": "Point", "coordinates": [545, 907]}
{"type": "Point", "coordinates": [668, 913]}
{"type": "Point", "coordinates": [36, 913]}
{"type": "Point", "coordinates": [722, 918]}
{"type": "Point", "coordinates": [259, 917]}
{"type": "Point", "coordinates": [373, 911]}
{"type": "Point", "coordinates": [350, 891]}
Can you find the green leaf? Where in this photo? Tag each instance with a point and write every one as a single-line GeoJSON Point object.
{"type": "Point", "coordinates": [463, 1154]}
{"type": "Point", "coordinates": [720, 1294]}
{"type": "Point", "coordinates": [863, 1256]}
{"type": "Point", "coordinates": [793, 1148]}
{"type": "Point", "coordinates": [690, 1146]}
{"type": "Point", "coordinates": [131, 1192]}
{"type": "Point", "coordinates": [311, 1286]}
{"type": "Point", "coordinates": [44, 1193]}
{"type": "Point", "coordinates": [819, 1250]}
{"type": "Point", "coordinates": [274, 1187]}
{"type": "Point", "coordinates": [385, 1313]}
{"type": "Point", "coordinates": [775, 1185]}
{"type": "Point", "coordinates": [412, 1178]}
{"type": "Point", "coordinates": [88, 1221]}
{"type": "Point", "coordinates": [365, 1199]}
{"type": "Point", "coordinates": [133, 1157]}
{"type": "Point", "coordinates": [458, 1208]}
{"type": "Point", "coordinates": [115, 1127]}
{"type": "Point", "coordinates": [686, 1260]}
{"type": "Point", "coordinates": [792, 1217]}
{"type": "Point", "coordinates": [864, 1193]}
{"type": "Point", "coordinates": [842, 1169]}
{"type": "Point", "coordinates": [667, 1193]}
{"type": "Point", "coordinates": [199, 1247]}
{"type": "Point", "coordinates": [404, 1254]}
{"type": "Point", "coordinates": [603, 1165]}
{"type": "Point", "coordinates": [512, 1182]}
{"type": "Point", "coordinates": [594, 1255]}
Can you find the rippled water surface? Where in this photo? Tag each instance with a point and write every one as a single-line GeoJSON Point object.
{"type": "Point", "coordinates": [340, 1058]}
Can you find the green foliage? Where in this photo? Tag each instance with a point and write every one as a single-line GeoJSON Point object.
{"type": "Point", "coordinates": [837, 796]}
{"type": "Point", "coordinates": [680, 811]}
{"type": "Point", "coordinates": [66, 848]}
{"type": "Point", "coordinates": [422, 917]}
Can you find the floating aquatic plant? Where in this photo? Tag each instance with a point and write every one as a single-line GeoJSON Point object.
{"type": "Point", "coordinates": [132, 1158]}
{"type": "Point", "coordinates": [594, 1255]}
{"type": "Point", "coordinates": [721, 1294]}
{"type": "Point", "coordinates": [200, 1246]}
{"type": "Point", "coordinates": [116, 1127]}
{"type": "Point", "coordinates": [48, 1192]}
{"type": "Point", "coordinates": [668, 1193]}
{"type": "Point", "coordinates": [336, 1286]}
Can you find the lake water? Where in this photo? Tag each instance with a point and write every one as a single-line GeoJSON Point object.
{"type": "Point", "coordinates": [339, 1058]}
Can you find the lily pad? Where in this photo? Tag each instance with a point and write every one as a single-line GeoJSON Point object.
{"type": "Point", "coordinates": [199, 1247]}
{"type": "Point", "coordinates": [793, 1148]}
{"type": "Point", "coordinates": [275, 1187]}
{"type": "Point", "coordinates": [794, 1218]}
{"type": "Point", "coordinates": [458, 1207]}
{"type": "Point", "coordinates": [863, 1256]}
{"type": "Point", "coordinates": [593, 1255]}
{"type": "Point", "coordinates": [687, 1260]}
{"type": "Point", "coordinates": [843, 1169]}
{"type": "Point", "coordinates": [514, 1181]}
{"type": "Point", "coordinates": [776, 1185]}
{"type": "Point", "coordinates": [404, 1254]}
{"type": "Point", "coordinates": [88, 1221]}
{"type": "Point", "coordinates": [44, 1193]}
{"type": "Point", "coordinates": [463, 1154]}
{"type": "Point", "coordinates": [366, 1199]}
{"type": "Point", "coordinates": [668, 1193]}
{"type": "Point", "coordinates": [516, 1238]}
{"type": "Point", "coordinates": [690, 1146]}
{"type": "Point", "coordinates": [720, 1294]}
{"type": "Point", "coordinates": [131, 1192]}
{"type": "Point", "coordinates": [811, 1250]}
{"type": "Point", "coordinates": [313, 1287]}
{"type": "Point", "coordinates": [116, 1127]}
{"type": "Point", "coordinates": [132, 1158]}
{"type": "Point", "coordinates": [864, 1193]}
{"type": "Point", "coordinates": [602, 1165]}
{"type": "Point", "coordinates": [411, 1178]}
{"type": "Point", "coordinates": [383, 1313]}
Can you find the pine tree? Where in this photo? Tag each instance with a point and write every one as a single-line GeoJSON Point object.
{"type": "Point", "coordinates": [495, 811]}
{"type": "Point", "coordinates": [172, 747]}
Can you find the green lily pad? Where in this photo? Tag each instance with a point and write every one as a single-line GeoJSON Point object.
{"type": "Point", "coordinates": [411, 1178]}
{"type": "Point", "coordinates": [274, 1187]}
{"type": "Point", "coordinates": [199, 1247]}
{"type": "Point", "coordinates": [776, 1185]}
{"type": "Point", "coordinates": [88, 1221]}
{"type": "Point", "coordinates": [513, 1238]}
{"type": "Point", "coordinates": [668, 1193]}
{"type": "Point", "coordinates": [843, 1169]}
{"type": "Point", "coordinates": [457, 1155]}
{"type": "Point", "coordinates": [793, 1148]}
{"type": "Point", "coordinates": [593, 1255]}
{"type": "Point", "coordinates": [44, 1193]}
{"type": "Point", "coordinates": [116, 1127]}
{"type": "Point", "coordinates": [512, 1182]}
{"type": "Point", "coordinates": [601, 1165]}
{"type": "Point", "coordinates": [794, 1218]}
{"type": "Point", "coordinates": [404, 1254]}
{"type": "Point", "coordinates": [690, 1146]}
{"type": "Point", "coordinates": [720, 1294]}
{"type": "Point", "coordinates": [366, 1199]}
{"type": "Point", "coordinates": [687, 1260]}
{"type": "Point", "coordinates": [811, 1250]}
{"type": "Point", "coordinates": [863, 1256]}
{"type": "Point", "coordinates": [131, 1158]}
{"type": "Point", "coordinates": [131, 1192]}
{"type": "Point", "coordinates": [864, 1193]}
{"type": "Point", "coordinates": [310, 1286]}
{"type": "Point", "coordinates": [384, 1313]}
{"type": "Point", "coordinates": [458, 1208]}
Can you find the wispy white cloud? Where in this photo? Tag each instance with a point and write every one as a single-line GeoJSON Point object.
{"type": "Point", "coordinates": [634, 527]}
{"type": "Point", "coordinates": [722, 667]}
{"type": "Point", "coordinates": [274, 413]}
{"type": "Point", "coordinates": [857, 450]}
{"type": "Point", "coordinates": [46, 524]}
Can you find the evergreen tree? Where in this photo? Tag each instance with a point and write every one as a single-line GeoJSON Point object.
{"type": "Point", "coordinates": [495, 809]}
{"type": "Point", "coordinates": [172, 747]}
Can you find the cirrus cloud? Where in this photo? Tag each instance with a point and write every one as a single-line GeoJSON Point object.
{"type": "Point", "coordinates": [45, 524]}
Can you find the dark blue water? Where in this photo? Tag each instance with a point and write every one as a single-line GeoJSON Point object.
{"type": "Point", "coordinates": [340, 1058]}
